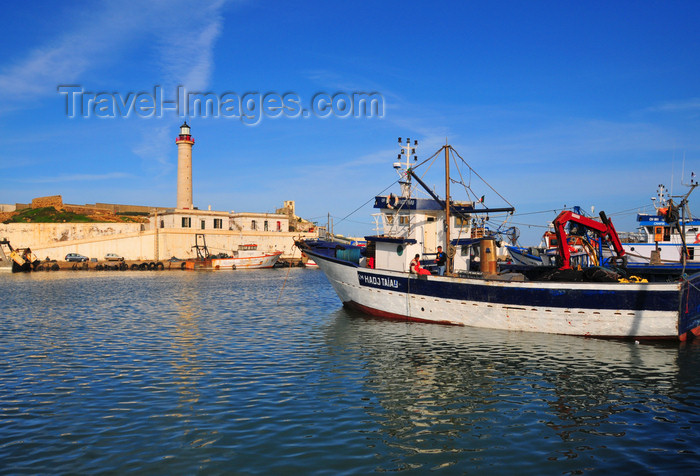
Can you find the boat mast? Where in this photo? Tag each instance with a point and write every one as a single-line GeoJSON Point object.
{"type": "Point", "coordinates": [447, 209]}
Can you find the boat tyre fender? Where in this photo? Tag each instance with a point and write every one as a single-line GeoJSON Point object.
{"type": "Point", "coordinates": [123, 266]}
{"type": "Point", "coordinates": [182, 266]}
{"type": "Point", "coordinates": [74, 267]}
{"type": "Point", "coordinates": [39, 267]}
{"type": "Point", "coordinates": [160, 266]}
{"type": "Point", "coordinates": [55, 267]}
{"type": "Point", "coordinates": [99, 267]}
{"type": "Point", "coordinates": [151, 266]}
{"type": "Point", "coordinates": [134, 267]}
{"type": "Point", "coordinates": [143, 266]}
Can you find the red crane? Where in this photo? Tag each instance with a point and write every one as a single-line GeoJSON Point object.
{"type": "Point", "coordinates": [604, 228]}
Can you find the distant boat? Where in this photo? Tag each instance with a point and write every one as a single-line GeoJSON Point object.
{"type": "Point", "coordinates": [308, 262]}
{"type": "Point", "coordinates": [667, 242]}
{"type": "Point", "coordinates": [247, 257]}
{"type": "Point", "coordinates": [381, 279]}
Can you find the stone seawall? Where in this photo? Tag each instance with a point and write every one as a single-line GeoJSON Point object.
{"type": "Point", "coordinates": [133, 242]}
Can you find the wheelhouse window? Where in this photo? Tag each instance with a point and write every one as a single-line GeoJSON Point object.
{"type": "Point", "coordinates": [461, 222]}
{"type": "Point", "coordinates": [186, 222]}
{"type": "Point", "coordinates": [404, 219]}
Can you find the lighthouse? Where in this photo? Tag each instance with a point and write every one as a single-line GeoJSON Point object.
{"type": "Point", "coordinates": [184, 167]}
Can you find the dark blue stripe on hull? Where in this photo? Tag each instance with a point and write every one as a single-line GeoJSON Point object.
{"type": "Point", "coordinates": [617, 298]}
{"type": "Point", "coordinates": [628, 300]}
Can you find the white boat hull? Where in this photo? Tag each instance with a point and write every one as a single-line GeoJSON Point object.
{"type": "Point", "coordinates": [391, 295]}
{"type": "Point", "coordinates": [266, 260]}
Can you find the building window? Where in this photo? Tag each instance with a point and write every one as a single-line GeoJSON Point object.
{"type": "Point", "coordinates": [162, 224]}
{"type": "Point", "coordinates": [279, 226]}
{"type": "Point", "coordinates": [265, 225]}
{"type": "Point", "coordinates": [253, 225]}
{"type": "Point", "coordinates": [186, 222]}
{"type": "Point", "coordinates": [203, 223]}
{"type": "Point", "coordinates": [218, 223]}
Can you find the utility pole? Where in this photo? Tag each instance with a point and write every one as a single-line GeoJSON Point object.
{"type": "Point", "coordinates": [155, 240]}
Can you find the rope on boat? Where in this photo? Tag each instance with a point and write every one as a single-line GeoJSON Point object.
{"type": "Point", "coordinates": [358, 208]}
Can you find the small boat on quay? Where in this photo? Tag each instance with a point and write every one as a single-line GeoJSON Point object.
{"type": "Point", "coordinates": [16, 259]}
{"type": "Point", "coordinates": [5, 263]}
{"type": "Point", "coordinates": [245, 257]}
{"type": "Point", "coordinates": [383, 279]}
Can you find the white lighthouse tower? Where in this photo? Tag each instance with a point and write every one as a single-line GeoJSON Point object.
{"type": "Point", "coordinates": [184, 167]}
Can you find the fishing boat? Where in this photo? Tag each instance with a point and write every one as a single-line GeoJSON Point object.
{"type": "Point", "coordinates": [247, 257]}
{"type": "Point", "coordinates": [668, 241]}
{"type": "Point", "coordinates": [382, 279]}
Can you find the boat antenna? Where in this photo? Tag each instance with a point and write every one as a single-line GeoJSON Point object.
{"type": "Point", "coordinates": [408, 151]}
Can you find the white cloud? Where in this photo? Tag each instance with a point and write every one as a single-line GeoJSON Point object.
{"type": "Point", "coordinates": [692, 104]}
{"type": "Point", "coordinates": [185, 48]}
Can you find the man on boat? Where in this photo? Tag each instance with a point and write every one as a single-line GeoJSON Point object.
{"type": "Point", "coordinates": [416, 267]}
{"type": "Point", "coordinates": [440, 260]}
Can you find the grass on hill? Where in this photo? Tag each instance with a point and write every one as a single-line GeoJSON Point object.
{"type": "Point", "coordinates": [48, 215]}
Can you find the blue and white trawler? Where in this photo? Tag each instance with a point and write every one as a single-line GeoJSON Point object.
{"type": "Point", "coordinates": [378, 279]}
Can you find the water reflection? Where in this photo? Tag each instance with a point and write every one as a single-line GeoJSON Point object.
{"type": "Point", "coordinates": [474, 395]}
{"type": "Point", "coordinates": [176, 373]}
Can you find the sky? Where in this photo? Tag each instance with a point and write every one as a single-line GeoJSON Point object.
{"type": "Point", "coordinates": [554, 104]}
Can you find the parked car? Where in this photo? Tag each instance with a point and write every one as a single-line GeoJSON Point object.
{"type": "Point", "coordinates": [113, 257]}
{"type": "Point", "coordinates": [76, 257]}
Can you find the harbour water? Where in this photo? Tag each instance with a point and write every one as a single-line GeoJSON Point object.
{"type": "Point", "coordinates": [264, 372]}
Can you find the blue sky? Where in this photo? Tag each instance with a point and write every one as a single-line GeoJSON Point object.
{"type": "Point", "coordinates": [554, 103]}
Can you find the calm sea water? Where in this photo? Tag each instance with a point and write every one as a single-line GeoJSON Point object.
{"type": "Point", "coordinates": [227, 372]}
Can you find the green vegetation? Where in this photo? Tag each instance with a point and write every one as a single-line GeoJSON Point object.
{"type": "Point", "coordinates": [48, 215]}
